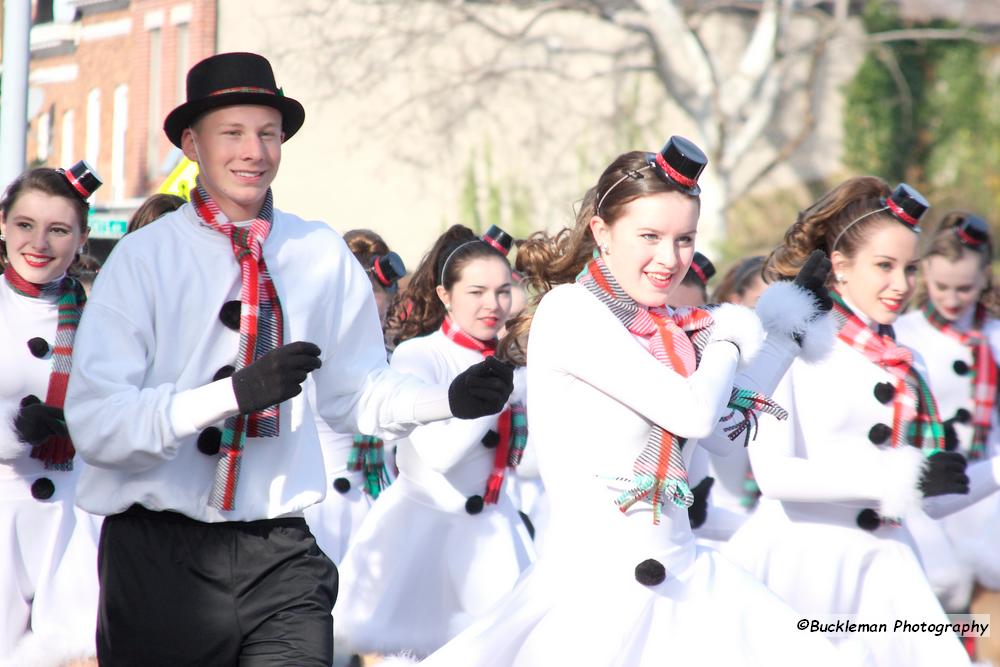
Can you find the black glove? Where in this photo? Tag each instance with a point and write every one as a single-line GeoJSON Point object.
{"type": "Point", "coordinates": [275, 377]}
{"type": "Point", "coordinates": [944, 474]}
{"type": "Point", "coordinates": [812, 277]}
{"type": "Point", "coordinates": [698, 511]}
{"type": "Point", "coordinates": [37, 422]}
{"type": "Point", "coordinates": [481, 390]}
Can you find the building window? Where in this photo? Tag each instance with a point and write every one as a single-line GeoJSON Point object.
{"type": "Point", "coordinates": [182, 62]}
{"type": "Point", "coordinates": [66, 156]}
{"type": "Point", "coordinates": [93, 149]}
{"type": "Point", "coordinates": [119, 128]}
{"type": "Point", "coordinates": [155, 114]}
{"type": "Point", "coordinates": [43, 136]}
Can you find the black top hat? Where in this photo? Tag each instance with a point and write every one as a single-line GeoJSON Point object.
{"type": "Point", "coordinates": [702, 267]}
{"type": "Point", "coordinates": [499, 239]}
{"type": "Point", "coordinates": [680, 162]}
{"type": "Point", "coordinates": [83, 179]}
{"type": "Point", "coordinates": [228, 79]}
{"type": "Point", "coordinates": [907, 205]}
{"type": "Point", "coordinates": [387, 269]}
{"type": "Point", "coordinates": [972, 230]}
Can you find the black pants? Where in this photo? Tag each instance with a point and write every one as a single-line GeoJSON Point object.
{"type": "Point", "coordinates": [175, 591]}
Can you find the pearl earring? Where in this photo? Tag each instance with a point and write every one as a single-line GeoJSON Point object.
{"type": "Point", "coordinates": [839, 277]}
{"type": "Point", "coordinates": [2, 237]}
{"type": "Point", "coordinates": [447, 307]}
{"type": "Point", "coordinates": [604, 249]}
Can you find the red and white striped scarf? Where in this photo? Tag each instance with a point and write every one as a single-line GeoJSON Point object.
{"type": "Point", "coordinates": [56, 452]}
{"type": "Point", "coordinates": [261, 330]}
{"type": "Point", "coordinates": [676, 339]}
{"type": "Point", "coordinates": [511, 424]}
{"type": "Point", "coordinates": [984, 373]}
{"type": "Point", "coordinates": [915, 418]}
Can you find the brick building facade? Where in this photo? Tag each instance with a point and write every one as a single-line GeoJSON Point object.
{"type": "Point", "coordinates": [103, 75]}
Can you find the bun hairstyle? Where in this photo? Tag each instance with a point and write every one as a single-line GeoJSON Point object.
{"type": "Point", "coordinates": [365, 242]}
{"type": "Point", "coordinates": [417, 310]}
{"type": "Point", "coordinates": [957, 233]}
{"type": "Point", "coordinates": [823, 224]}
{"type": "Point", "coordinates": [550, 260]}
{"type": "Point", "coordinates": [48, 181]}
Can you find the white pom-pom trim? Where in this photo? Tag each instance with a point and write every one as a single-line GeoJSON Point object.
{"type": "Point", "coordinates": [740, 326]}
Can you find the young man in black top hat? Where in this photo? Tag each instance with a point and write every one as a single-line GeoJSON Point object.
{"type": "Point", "coordinates": [186, 398]}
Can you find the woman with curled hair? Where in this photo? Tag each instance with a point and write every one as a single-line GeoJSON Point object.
{"type": "Point", "coordinates": [863, 448]}
{"type": "Point", "coordinates": [444, 542]}
{"type": "Point", "coordinates": [622, 390]}
{"type": "Point", "coordinates": [955, 329]}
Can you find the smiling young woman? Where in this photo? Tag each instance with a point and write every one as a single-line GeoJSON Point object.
{"type": "Point", "coordinates": [48, 561]}
{"type": "Point", "coordinates": [622, 390]}
{"type": "Point", "coordinates": [955, 330]}
{"type": "Point", "coordinates": [863, 449]}
{"type": "Point", "coordinates": [444, 542]}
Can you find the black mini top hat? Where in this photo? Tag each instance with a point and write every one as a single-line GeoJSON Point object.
{"type": "Point", "coordinates": [907, 205]}
{"type": "Point", "coordinates": [82, 178]}
{"type": "Point", "coordinates": [680, 162]}
{"type": "Point", "coordinates": [702, 267]}
{"type": "Point", "coordinates": [972, 231]}
{"type": "Point", "coordinates": [387, 269]}
{"type": "Point", "coordinates": [229, 79]}
{"type": "Point", "coordinates": [499, 239]}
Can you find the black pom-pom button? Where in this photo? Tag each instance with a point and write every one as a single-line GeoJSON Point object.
{"type": "Point", "coordinates": [950, 437]}
{"type": "Point", "coordinates": [885, 392]}
{"type": "Point", "coordinates": [230, 314]}
{"type": "Point", "coordinates": [868, 519]}
{"type": "Point", "coordinates": [223, 372]}
{"type": "Point", "coordinates": [30, 399]}
{"type": "Point", "coordinates": [879, 433]}
{"type": "Point", "coordinates": [491, 439]}
{"type": "Point", "coordinates": [650, 572]}
{"type": "Point", "coordinates": [209, 441]}
{"type": "Point", "coordinates": [960, 367]}
{"type": "Point", "coordinates": [474, 504]}
{"type": "Point", "coordinates": [962, 416]}
{"type": "Point", "coordinates": [39, 347]}
{"type": "Point", "coordinates": [42, 488]}
{"type": "Point", "coordinates": [342, 485]}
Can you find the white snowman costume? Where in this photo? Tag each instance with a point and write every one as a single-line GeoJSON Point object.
{"type": "Point", "coordinates": [595, 392]}
{"type": "Point", "coordinates": [828, 475]}
{"type": "Point", "coordinates": [960, 548]}
{"type": "Point", "coordinates": [430, 556]}
{"type": "Point", "coordinates": [48, 557]}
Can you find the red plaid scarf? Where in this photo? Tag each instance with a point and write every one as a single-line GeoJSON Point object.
{"type": "Point", "coordinates": [915, 418]}
{"type": "Point", "coordinates": [512, 425]}
{"type": "Point", "coordinates": [984, 373]}
{"type": "Point", "coordinates": [675, 340]}
{"type": "Point", "coordinates": [56, 452]}
{"type": "Point", "coordinates": [261, 326]}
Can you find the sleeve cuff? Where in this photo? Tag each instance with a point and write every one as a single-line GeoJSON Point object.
{"type": "Point", "coordinates": [431, 404]}
{"type": "Point", "coordinates": [193, 410]}
{"type": "Point", "coordinates": [901, 475]}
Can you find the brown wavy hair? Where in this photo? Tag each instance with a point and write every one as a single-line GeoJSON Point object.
{"type": "Point", "coordinates": [944, 242]}
{"type": "Point", "coordinates": [47, 181]}
{"type": "Point", "coordinates": [819, 226]}
{"type": "Point", "coordinates": [417, 310]}
{"type": "Point", "coordinates": [549, 260]}
{"type": "Point", "coordinates": [738, 279]}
